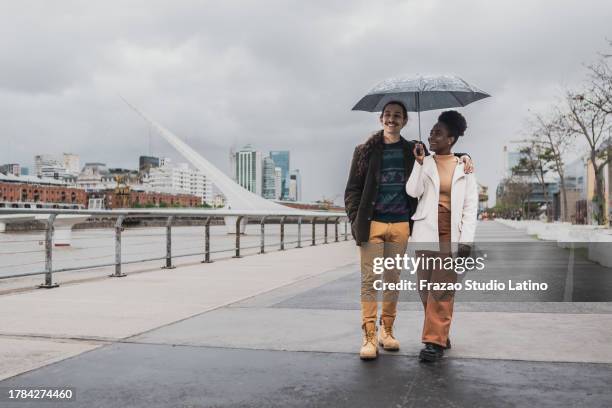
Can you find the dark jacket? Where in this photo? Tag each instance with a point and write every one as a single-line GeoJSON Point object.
{"type": "Point", "coordinates": [362, 189]}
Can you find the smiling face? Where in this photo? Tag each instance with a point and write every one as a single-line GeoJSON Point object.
{"type": "Point", "coordinates": [393, 119]}
{"type": "Point", "coordinates": [440, 140]}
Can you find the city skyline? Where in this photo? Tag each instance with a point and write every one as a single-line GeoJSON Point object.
{"type": "Point", "coordinates": [158, 174]}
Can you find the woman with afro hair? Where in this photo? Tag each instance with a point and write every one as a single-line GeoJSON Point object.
{"type": "Point", "coordinates": [445, 219]}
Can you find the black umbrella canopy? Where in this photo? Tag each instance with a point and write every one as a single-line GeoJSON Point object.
{"type": "Point", "coordinates": [421, 93]}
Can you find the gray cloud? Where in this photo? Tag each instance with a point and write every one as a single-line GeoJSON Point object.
{"type": "Point", "coordinates": [277, 74]}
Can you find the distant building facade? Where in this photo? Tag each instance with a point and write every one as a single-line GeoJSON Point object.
{"type": "Point", "coordinates": [49, 167]}
{"type": "Point", "coordinates": [11, 168]}
{"type": "Point", "coordinates": [95, 177]}
{"type": "Point", "coordinates": [72, 164]}
{"type": "Point", "coordinates": [179, 179]}
{"type": "Point", "coordinates": [269, 179]}
{"type": "Point", "coordinates": [295, 186]}
{"type": "Point", "coordinates": [281, 159]}
{"type": "Point", "coordinates": [218, 200]}
{"type": "Point", "coordinates": [249, 169]}
{"type": "Point", "coordinates": [33, 192]}
{"type": "Point", "coordinates": [278, 183]}
{"type": "Point", "coordinates": [145, 163]}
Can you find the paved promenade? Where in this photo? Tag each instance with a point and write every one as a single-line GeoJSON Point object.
{"type": "Point", "coordinates": [283, 329]}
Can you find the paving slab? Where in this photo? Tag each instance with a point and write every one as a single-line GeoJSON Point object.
{"type": "Point", "coordinates": [19, 354]}
{"type": "Point", "coordinates": [119, 307]}
{"type": "Point", "coordinates": [511, 336]}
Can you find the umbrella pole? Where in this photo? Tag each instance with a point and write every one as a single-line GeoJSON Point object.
{"type": "Point", "coordinates": [418, 101]}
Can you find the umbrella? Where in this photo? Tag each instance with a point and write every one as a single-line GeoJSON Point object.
{"type": "Point", "coordinates": [421, 93]}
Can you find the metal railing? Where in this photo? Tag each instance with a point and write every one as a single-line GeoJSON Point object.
{"type": "Point", "coordinates": [120, 216]}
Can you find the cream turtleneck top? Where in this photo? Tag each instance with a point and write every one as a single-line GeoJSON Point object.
{"type": "Point", "coordinates": [446, 167]}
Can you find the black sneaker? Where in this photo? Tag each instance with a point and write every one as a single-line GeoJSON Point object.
{"type": "Point", "coordinates": [431, 352]}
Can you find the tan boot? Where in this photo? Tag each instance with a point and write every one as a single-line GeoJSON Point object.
{"type": "Point", "coordinates": [385, 337]}
{"type": "Point", "coordinates": [369, 348]}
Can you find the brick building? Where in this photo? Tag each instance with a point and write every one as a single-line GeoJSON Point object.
{"type": "Point", "coordinates": [35, 192]}
{"type": "Point", "coordinates": [146, 199]}
{"type": "Point", "coordinates": [19, 193]}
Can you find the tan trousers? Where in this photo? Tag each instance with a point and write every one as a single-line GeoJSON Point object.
{"type": "Point", "coordinates": [438, 304]}
{"type": "Point", "coordinates": [386, 240]}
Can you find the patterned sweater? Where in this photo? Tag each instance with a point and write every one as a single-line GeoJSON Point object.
{"type": "Point", "coordinates": [392, 201]}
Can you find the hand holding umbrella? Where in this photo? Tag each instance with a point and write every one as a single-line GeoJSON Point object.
{"type": "Point", "coordinates": [419, 152]}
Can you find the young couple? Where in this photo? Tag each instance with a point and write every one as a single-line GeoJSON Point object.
{"type": "Point", "coordinates": [396, 190]}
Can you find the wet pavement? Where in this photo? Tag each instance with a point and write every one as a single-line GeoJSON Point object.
{"type": "Point", "coordinates": [136, 375]}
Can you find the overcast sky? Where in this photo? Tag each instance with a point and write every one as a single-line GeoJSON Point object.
{"type": "Point", "coordinates": [276, 74]}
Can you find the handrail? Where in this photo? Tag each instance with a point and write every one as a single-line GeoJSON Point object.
{"type": "Point", "coordinates": [283, 217]}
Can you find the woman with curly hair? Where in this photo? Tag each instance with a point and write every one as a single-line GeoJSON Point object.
{"type": "Point", "coordinates": [379, 210]}
{"type": "Point", "coordinates": [446, 219]}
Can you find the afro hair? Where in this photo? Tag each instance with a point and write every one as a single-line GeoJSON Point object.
{"type": "Point", "coordinates": [454, 121]}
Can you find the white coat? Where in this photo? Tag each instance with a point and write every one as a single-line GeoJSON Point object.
{"type": "Point", "coordinates": [424, 184]}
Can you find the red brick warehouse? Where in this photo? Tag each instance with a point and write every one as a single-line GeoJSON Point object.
{"type": "Point", "coordinates": [13, 193]}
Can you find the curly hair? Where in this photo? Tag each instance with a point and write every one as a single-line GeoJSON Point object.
{"type": "Point", "coordinates": [365, 149]}
{"type": "Point", "coordinates": [454, 122]}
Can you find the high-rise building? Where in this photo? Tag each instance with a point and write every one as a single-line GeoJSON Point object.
{"type": "Point", "coordinates": [72, 164]}
{"type": "Point", "coordinates": [269, 188]}
{"type": "Point", "coordinates": [25, 171]}
{"type": "Point", "coordinates": [281, 159]}
{"type": "Point", "coordinates": [278, 183]}
{"type": "Point", "coordinates": [249, 169]}
{"type": "Point", "coordinates": [295, 186]}
{"type": "Point", "coordinates": [11, 168]}
{"type": "Point", "coordinates": [145, 163]}
{"type": "Point", "coordinates": [179, 179]}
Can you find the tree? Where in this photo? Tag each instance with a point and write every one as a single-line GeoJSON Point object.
{"type": "Point", "coordinates": [592, 122]}
{"type": "Point", "coordinates": [534, 162]}
{"type": "Point", "coordinates": [553, 140]}
{"type": "Point", "coordinates": [514, 193]}
{"type": "Point", "coordinates": [590, 115]}
{"type": "Point", "coordinates": [600, 84]}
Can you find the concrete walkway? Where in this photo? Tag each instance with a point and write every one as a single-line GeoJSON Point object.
{"type": "Point", "coordinates": [53, 324]}
{"type": "Point", "coordinates": [282, 330]}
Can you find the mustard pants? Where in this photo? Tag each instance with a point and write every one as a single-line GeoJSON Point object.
{"type": "Point", "coordinates": [385, 240]}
